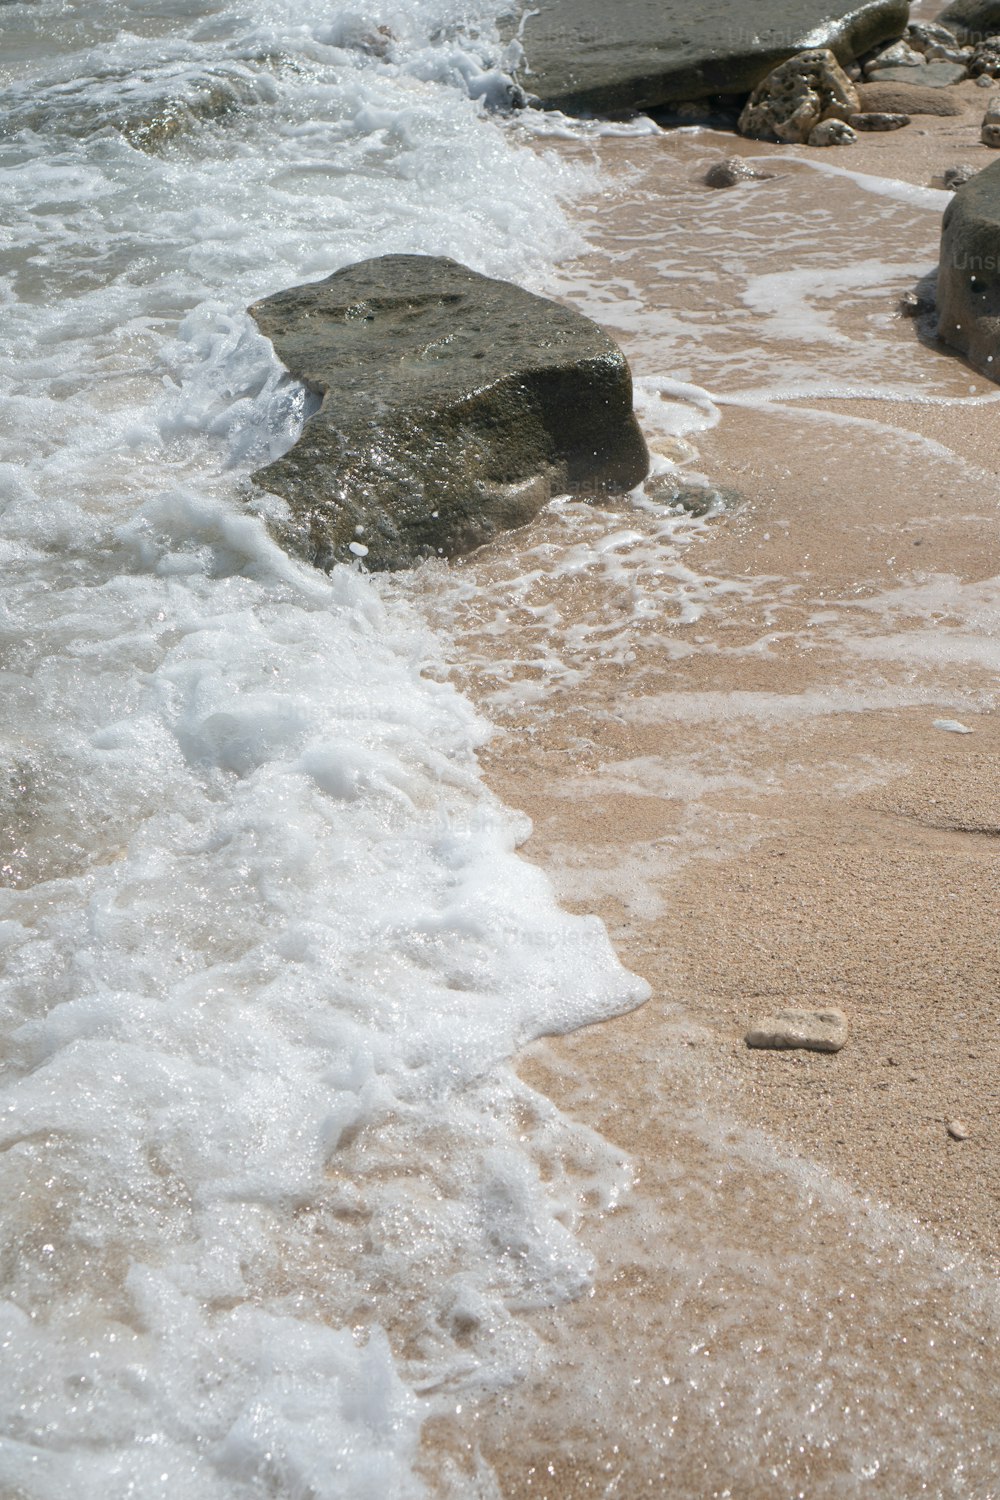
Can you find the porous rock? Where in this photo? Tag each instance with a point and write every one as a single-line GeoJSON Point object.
{"type": "Point", "coordinates": [968, 287]}
{"type": "Point", "coordinates": [907, 99]}
{"type": "Point", "coordinates": [453, 408]}
{"type": "Point", "coordinates": [815, 1030]}
{"type": "Point", "coordinates": [797, 96]}
{"type": "Point", "coordinates": [990, 132]}
{"type": "Point", "coordinates": [971, 20]}
{"type": "Point", "coordinates": [645, 54]}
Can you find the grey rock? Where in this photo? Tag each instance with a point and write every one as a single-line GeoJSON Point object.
{"type": "Point", "coordinates": [931, 76]}
{"type": "Point", "coordinates": [453, 408]}
{"type": "Point", "coordinates": [898, 55]}
{"type": "Point", "coordinates": [971, 20]}
{"type": "Point", "coordinates": [796, 97]}
{"type": "Point", "coordinates": [644, 54]}
{"type": "Point", "coordinates": [815, 1030]}
{"type": "Point", "coordinates": [956, 177]}
{"type": "Point", "coordinates": [990, 131]}
{"type": "Point", "coordinates": [968, 294]}
{"type": "Point", "coordinates": [958, 1130]}
{"type": "Point", "coordinates": [878, 121]}
{"type": "Point", "coordinates": [732, 170]}
{"type": "Point", "coordinates": [831, 133]}
{"type": "Point", "coordinates": [922, 36]}
{"type": "Point", "coordinates": [907, 99]}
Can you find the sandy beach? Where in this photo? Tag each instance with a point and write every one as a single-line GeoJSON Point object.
{"type": "Point", "coordinates": [775, 779]}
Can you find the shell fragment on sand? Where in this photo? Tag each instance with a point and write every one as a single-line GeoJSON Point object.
{"type": "Point", "coordinates": [815, 1030]}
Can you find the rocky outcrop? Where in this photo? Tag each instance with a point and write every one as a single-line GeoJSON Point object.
{"type": "Point", "coordinates": [968, 293]}
{"type": "Point", "coordinates": [453, 408]}
{"type": "Point", "coordinates": [971, 20]}
{"type": "Point", "coordinates": [792, 101]}
{"type": "Point", "coordinates": [663, 52]}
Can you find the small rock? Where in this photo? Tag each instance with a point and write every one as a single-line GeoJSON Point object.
{"type": "Point", "coordinates": [960, 56]}
{"type": "Point", "coordinates": [990, 133]}
{"type": "Point", "coordinates": [734, 169]}
{"type": "Point", "coordinates": [816, 1030]}
{"type": "Point", "coordinates": [831, 133]}
{"type": "Point", "coordinates": [984, 81]}
{"type": "Point", "coordinates": [880, 121]}
{"type": "Point", "coordinates": [912, 305]}
{"type": "Point", "coordinates": [958, 1130]}
{"type": "Point", "coordinates": [956, 177]}
{"type": "Point", "coordinates": [922, 36]}
{"type": "Point", "coordinates": [808, 89]}
{"type": "Point", "coordinates": [898, 55]}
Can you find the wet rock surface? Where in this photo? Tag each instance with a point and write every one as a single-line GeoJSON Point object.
{"type": "Point", "coordinates": [665, 51]}
{"type": "Point", "coordinates": [733, 170]}
{"type": "Point", "coordinates": [971, 20]}
{"type": "Point", "coordinates": [968, 295]}
{"type": "Point", "coordinates": [454, 407]}
{"type": "Point", "coordinates": [795, 100]}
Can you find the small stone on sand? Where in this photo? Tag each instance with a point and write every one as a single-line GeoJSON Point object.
{"type": "Point", "coordinates": [958, 1130]}
{"type": "Point", "coordinates": [817, 1030]}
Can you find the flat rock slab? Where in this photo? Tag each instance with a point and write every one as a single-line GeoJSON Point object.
{"type": "Point", "coordinates": [816, 1030]}
{"type": "Point", "coordinates": [971, 20]}
{"type": "Point", "coordinates": [968, 291]}
{"type": "Point", "coordinates": [592, 56]}
{"type": "Point", "coordinates": [930, 76]}
{"type": "Point", "coordinates": [453, 408]}
{"type": "Point", "coordinates": [908, 99]}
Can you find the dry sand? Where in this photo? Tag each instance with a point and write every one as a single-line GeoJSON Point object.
{"type": "Point", "coordinates": [759, 805]}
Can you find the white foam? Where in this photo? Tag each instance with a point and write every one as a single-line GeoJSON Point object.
{"type": "Point", "coordinates": [267, 941]}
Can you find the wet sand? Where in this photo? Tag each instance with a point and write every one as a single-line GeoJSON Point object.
{"type": "Point", "coordinates": [750, 785]}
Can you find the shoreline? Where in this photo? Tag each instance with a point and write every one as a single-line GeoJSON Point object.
{"type": "Point", "coordinates": [755, 798]}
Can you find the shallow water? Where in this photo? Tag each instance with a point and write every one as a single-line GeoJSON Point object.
{"type": "Point", "coordinates": [267, 944]}
{"type": "Point", "coordinates": [277, 1196]}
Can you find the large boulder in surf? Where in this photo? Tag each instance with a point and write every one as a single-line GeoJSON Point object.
{"type": "Point", "coordinates": [971, 20]}
{"type": "Point", "coordinates": [594, 56]}
{"type": "Point", "coordinates": [453, 408]}
{"type": "Point", "coordinates": [968, 294]}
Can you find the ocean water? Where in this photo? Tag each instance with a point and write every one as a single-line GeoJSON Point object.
{"type": "Point", "coordinates": [270, 1184]}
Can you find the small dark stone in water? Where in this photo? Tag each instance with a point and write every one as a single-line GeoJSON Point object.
{"type": "Point", "coordinates": [696, 499]}
{"type": "Point", "coordinates": [734, 169]}
{"type": "Point", "coordinates": [913, 305]}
